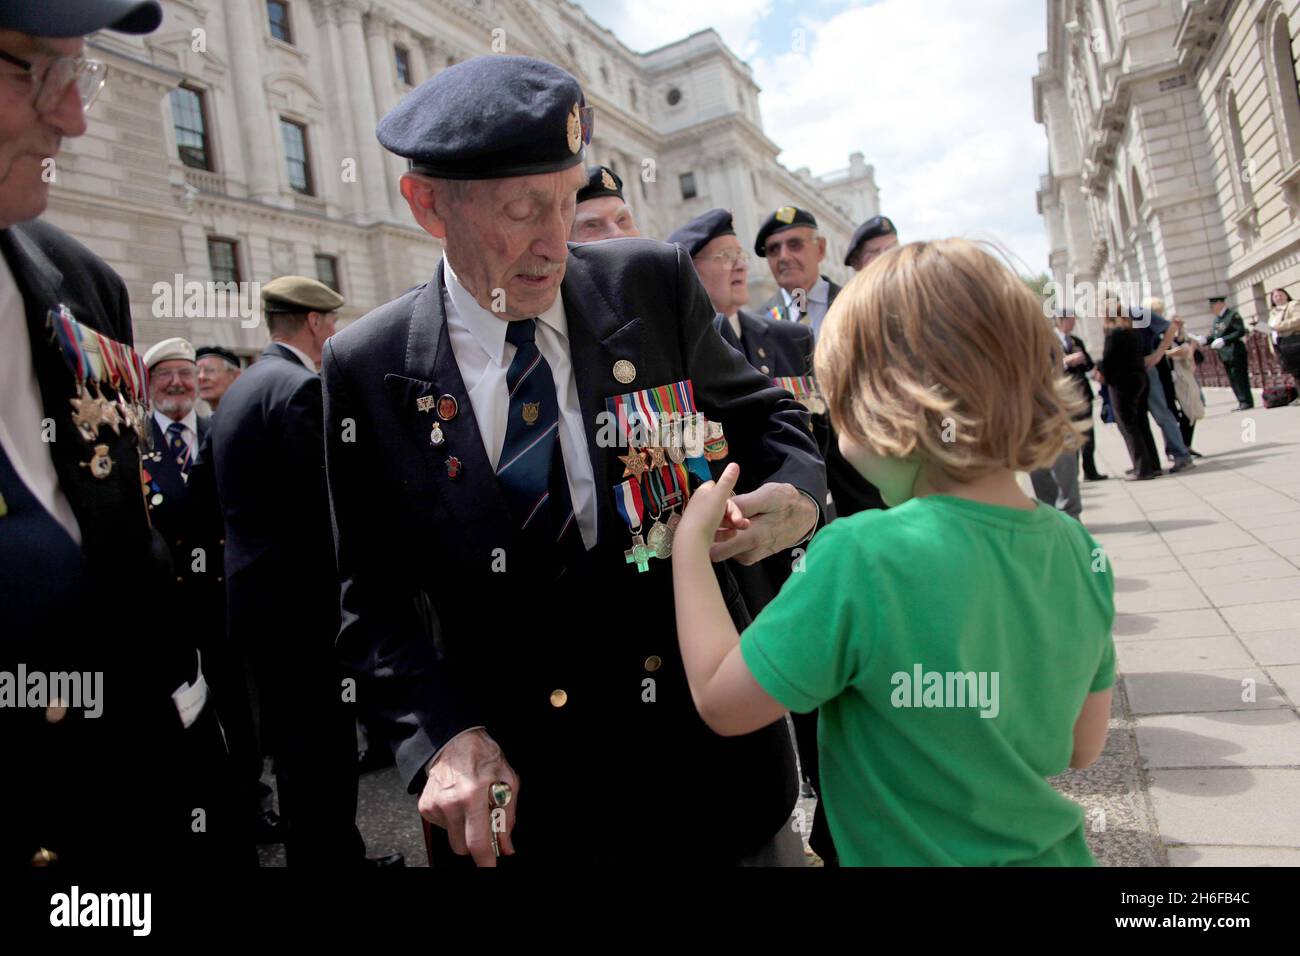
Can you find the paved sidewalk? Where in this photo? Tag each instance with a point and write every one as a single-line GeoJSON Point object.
{"type": "Point", "coordinates": [1204, 748]}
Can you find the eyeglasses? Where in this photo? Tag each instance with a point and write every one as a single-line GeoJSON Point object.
{"type": "Point", "coordinates": [51, 81]}
{"type": "Point", "coordinates": [732, 258]}
{"type": "Point", "coordinates": [167, 374]}
{"type": "Point", "coordinates": [793, 246]}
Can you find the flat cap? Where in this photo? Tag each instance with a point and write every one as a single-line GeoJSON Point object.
{"type": "Point", "coordinates": [167, 350]}
{"type": "Point", "coordinates": [873, 228]}
{"type": "Point", "coordinates": [491, 117]}
{"type": "Point", "coordinates": [220, 352]}
{"type": "Point", "coordinates": [76, 18]}
{"type": "Point", "coordinates": [787, 217]}
{"type": "Point", "coordinates": [299, 294]}
{"type": "Point", "coordinates": [601, 181]}
{"type": "Point", "coordinates": [702, 230]}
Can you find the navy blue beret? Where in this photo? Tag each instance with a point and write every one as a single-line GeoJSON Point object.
{"type": "Point", "coordinates": [787, 217]}
{"type": "Point", "coordinates": [702, 230]}
{"type": "Point", "coordinates": [76, 18]}
{"type": "Point", "coordinates": [491, 117]}
{"type": "Point", "coordinates": [220, 352]}
{"type": "Point", "coordinates": [601, 181]}
{"type": "Point", "coordinates": [873, 227]}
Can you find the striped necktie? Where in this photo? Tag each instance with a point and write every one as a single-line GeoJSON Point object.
{"type": "Point", "coordinates": [531, 469]}
{"type": "Point", "coordinates": [178, 448]}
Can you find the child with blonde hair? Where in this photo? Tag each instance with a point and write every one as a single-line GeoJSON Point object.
{"type": "Point", "coordinates": [959, 644]}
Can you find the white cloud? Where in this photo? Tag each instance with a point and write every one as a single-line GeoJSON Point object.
{"type": "Point", "coordinates": [645, 24]}
{"type": "Point", "coordinates": [937, 94]}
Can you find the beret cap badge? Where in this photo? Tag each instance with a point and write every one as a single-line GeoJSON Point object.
{"type": "Point", "coordinates": [785, 214]}
{"type": "Point", "coordinates": [607, 180]}
{"type": "Point", "coordinates": [575, 129]}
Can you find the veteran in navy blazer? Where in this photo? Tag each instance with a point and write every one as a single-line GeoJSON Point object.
{"type": "Point", "coordinates": [116, 780]}
{"type": "Point", "coordinates": [282, 584]}
{"type": "Point", "coordinates": [531, 667]}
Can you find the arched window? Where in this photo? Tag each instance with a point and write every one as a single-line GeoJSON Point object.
{"type": "Point", "coordinates": [1240, 166]}
{"type": "Point", "coordinates": [1135, 191]}
{"type": "Point", "coordinates": [1284, 91]}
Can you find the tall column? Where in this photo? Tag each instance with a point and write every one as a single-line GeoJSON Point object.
{"type": "Point", "coordinates": [361, 106]}
{"type": "Point", "coordinates": [383, 76]}
{"type": "Point", "coordinates": [340, 126]}
{"type": "Point", "coordinates": [259, 137]}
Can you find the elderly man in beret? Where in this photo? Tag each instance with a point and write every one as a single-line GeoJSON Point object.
{"type": "Point", "coordinates": [602, 212]}
{"type": "Point", "coordinates": [875, 236]}
{"type": "Point", "coordinates": [87, 589]}
{"type": "Point", "coordinates": [218, 368]}
{"type": "Point", "coordinates": [501, 443]}
{"type": "Point", "coordinates": [282, 586]}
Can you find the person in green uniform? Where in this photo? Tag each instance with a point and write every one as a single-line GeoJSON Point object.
{"type": "Point", "coordinates": [959, 644]}
{"type": "Point", "coordinates": [1228, 338]}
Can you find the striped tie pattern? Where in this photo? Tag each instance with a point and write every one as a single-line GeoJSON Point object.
{"type": "Point", "coordinates": [531, 468]}
{"type": "Point", "coordinates": [178, 447]}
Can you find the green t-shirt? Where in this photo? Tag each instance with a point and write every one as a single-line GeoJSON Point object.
{"type": "Point", "coordinates": [1022, 602]}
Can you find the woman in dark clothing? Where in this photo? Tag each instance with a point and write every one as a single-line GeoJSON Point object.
{"type": "Point", "coordinates": [1123, 368]}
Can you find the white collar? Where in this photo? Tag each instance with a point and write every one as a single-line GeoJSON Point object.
{"type": "Point", "coordinates": [190, 421]}
{"type": "Point", "coordinates": [488, 328]}
{"type": "Point", "coordinates": [820, 292]}
{"type": "Point", "coordinates": [302, 356]}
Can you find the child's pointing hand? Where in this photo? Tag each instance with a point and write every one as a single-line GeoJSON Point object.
{"type": "Point", "coordinates": [711, 515]}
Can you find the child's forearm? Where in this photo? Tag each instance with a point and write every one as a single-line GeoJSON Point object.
{"type": "Point", "coordinates": [704, 628]}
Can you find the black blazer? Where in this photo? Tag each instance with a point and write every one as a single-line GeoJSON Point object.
{"type": "Point", "coordinates": [91, 608]}
{"type": "Point", "coordinates": [777, 349]}
{"type": "Point", "coordinates": [1080, 373]}
{"type": "Point", "coordinates": [458, 629]}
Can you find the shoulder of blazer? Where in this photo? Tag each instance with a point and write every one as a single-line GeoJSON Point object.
{"type": "Point", "coordinates": [611, 263]}
{"type": "Point", "coordinates": [94, 293]}
{"type": "Point", "coordinates": [385, 327]}
{"type": "Point", "coordinates": [832, 291]}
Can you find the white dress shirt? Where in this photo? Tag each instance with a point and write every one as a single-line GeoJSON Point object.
{"type": "Point", "coordinates": [189, 431]}
{"type": "Point", "coordinates": [303, 356]}
{"type": "Point", "coordinates": [734, 321]}
{"type": "Point", "coordinates": [478, 340]}
{"type": "Point", "coordinates": [21, 412]}
{"type": "Point", "coordinates": [817, 300]}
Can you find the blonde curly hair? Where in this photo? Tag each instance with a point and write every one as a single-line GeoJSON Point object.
{"type": "Point", "coordinates": [939, 351]}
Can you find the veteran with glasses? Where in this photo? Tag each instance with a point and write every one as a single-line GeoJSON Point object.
{"type": "Point", "coordinates": [78, 557]}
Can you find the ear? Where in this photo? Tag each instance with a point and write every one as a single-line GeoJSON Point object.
{"type": "Point", "coordinates": [821, 248]}
{"type": "Point", "coordinates": [422, 198]}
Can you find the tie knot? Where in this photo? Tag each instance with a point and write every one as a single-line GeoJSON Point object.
{"type": "Point", "coordinates": [521, 332]}
{"type": "Point", "coordinates": [175, 429]}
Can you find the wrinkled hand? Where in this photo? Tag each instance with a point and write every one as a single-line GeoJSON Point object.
{"type": "Point", "coordinates": [1075, 358]}
{"type": "Point", "coordinates": [772, 518]}
{"type": "Point", "coordinates": [455, 796]}
{"type": "Point", "coordinates": [1217, 343]}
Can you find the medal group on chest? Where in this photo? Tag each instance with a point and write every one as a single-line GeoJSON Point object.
{"type": "Point", "coordinates": [111, 386]}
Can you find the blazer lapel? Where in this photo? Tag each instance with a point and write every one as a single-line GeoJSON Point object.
{"type": "Point", "coordinates": [39, 281]}
{"type": "Point", "coordinates": [756, 339]}
{"type": "Point", "coordinates": [598, 337]}
{"type": "Point", "coordinates": [467, 486]}
{"type": "Point", "coordinates": [163, 466]}
{"type": "Point", "coordinates": [726, 331]}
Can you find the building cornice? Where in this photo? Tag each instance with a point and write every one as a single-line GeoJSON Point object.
{"type": "Point", "coordinates": [1199, 28]}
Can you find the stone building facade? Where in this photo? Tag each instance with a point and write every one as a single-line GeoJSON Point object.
{"type": "Point", "coordinates": [1174, 148]}
{"type": "Point", "coordinates": [237, 143]}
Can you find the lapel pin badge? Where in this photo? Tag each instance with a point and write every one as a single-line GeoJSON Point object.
{"type": "Point", "coordinates": [624, 371]}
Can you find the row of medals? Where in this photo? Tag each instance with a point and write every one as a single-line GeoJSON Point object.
{"type": "Point", "coordinates": [643, 460]}
{"type": "Point", "coordinates": [92, 412]}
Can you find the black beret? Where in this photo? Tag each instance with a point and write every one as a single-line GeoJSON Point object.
{"type": "Point", "coordinates": [787, 217]}
{"type": "Point", "coordinates": [601, 181]}
{"type": "Point", "coordinates": [702, 230]}
{"type": "Point", "coordinates": [220, 352]}
{"type": "Point", "coordinates": [872, 228]}
{"type": "Point", "coordinates": [490, 117]}
{"type": "Point", "coordinates": [76, 18]}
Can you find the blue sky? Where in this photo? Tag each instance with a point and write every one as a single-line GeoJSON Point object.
{"type": "Point", "coordinates": [936, 93]}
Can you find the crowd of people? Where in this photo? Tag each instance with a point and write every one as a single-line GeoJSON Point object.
{"type": "Point", "coordinates": [566, 518]}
